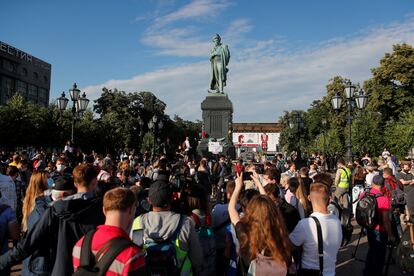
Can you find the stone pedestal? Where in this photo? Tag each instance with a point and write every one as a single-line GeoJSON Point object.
{"type": "Point", "coordinates": [217, 115]}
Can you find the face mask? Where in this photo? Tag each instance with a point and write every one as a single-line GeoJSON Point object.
{"type": "Point", "coordinates": [60, 167]}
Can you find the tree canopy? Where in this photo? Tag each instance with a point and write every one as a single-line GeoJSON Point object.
{"type": "Point", "coordinates": [112, 124]}
{"type": "Point", "coordinates": [385, 122]}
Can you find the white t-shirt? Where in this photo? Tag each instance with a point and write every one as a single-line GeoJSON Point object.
{"type": "Point", "coordinates": [305, 234]}
{"type": "Point", "coordinates": [369, 177]}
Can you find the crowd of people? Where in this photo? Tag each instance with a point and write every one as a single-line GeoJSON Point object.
{"type": "Point", "coordinates": [74, 213]}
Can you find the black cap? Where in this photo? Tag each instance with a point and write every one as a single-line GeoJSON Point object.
{"type": "Point", "coordinates": [64, 183]}
{"type": "Point", "coordinates": [160, 194]}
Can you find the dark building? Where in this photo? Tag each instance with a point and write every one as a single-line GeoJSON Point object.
{"type": "Point", "coordinates": [25, 74]}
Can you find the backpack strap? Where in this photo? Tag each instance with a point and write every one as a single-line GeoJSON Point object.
{"type": "Point", "coordinates": [348, 176]}
{"type": "Point", "coordinates": [337, 206]}
{"type": "Point", "coordinates": [375, 195]}
{"type": "Point", "coordinates": [86, 258]}
{"type": "Point", "coordinates": [174, 236]}
{"type": "Point", "coordinates": [320, 244]}
{"type": "Point", "coordinates": [117, 245]}
{"type": "Point", "coordinates": [196, 220]}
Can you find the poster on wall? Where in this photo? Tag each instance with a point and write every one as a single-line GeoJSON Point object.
{"type": "Point", "coordinates": [266, 141]}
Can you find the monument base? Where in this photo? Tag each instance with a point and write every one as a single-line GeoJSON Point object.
{"type": "Point", "coordinates": [228, 150]}
{"type": "Point", "coordinates": [217, 112]}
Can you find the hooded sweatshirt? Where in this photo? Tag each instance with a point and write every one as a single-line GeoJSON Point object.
{"type": "Point", "coordinates": [161, 225]}
{"type": "Point", "coordinates": [59, 228]}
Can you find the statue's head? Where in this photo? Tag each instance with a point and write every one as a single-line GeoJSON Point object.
{"type": "Point", "coordinates": [216, 39]}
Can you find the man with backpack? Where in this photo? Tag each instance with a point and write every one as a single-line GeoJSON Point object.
{"type": "Point", "coordinates": [395, 192]}
{"type": "Point", "coordinates": [111, 240]}
{"type": "Point", "coordinates": [373, 213]}
{"type": "Point", "coordinates": [169, 240]}
{"type": "Point", "coordinates": [62, 225]}
{"type": "Point", "coordinates": [342, 183]}
{"type": "Point", "coordinates": [394, 189]}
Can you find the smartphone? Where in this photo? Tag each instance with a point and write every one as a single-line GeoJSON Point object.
{"type": "Point", "coordinates": [247, 175]}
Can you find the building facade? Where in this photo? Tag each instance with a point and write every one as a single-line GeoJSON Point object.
{"type": "Point", "coordinates": [24, 74]}
{"type": "Point", "coordinates": [257, 137]}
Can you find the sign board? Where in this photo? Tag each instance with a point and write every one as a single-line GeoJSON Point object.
{"type": "Point", "coordinates": [215, 147]}
{"type": "Point", "coordinates": [266, 140]}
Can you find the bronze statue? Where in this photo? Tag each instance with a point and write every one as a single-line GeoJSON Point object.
{"type": "Point", "coordinates": [219, 58]}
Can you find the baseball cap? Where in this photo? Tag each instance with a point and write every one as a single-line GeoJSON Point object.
{"type": "Point", "coordinates": [64, 183]}
{"type": "Point", "coordinates": [378, 180]}
{"type": "Point", "coordinates": [160, 194]}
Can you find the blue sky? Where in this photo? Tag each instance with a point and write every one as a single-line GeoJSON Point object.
{"type": "Point", "coordinates": [283, 52]}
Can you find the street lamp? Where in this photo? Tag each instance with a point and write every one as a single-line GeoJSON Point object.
{"type": "Point", "coordinates": [154, 124]}
{"type": "Point", "coordinates": [351, 95]}
{"type": "Point", "coordinates": [80, 104]}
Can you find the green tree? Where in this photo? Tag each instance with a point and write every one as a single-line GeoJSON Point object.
{"type": "Point", "coordinates": [367, 133]}
{"type": "Point", "coordinates": [399, 135]}
{"type": "Point", "coordinates": [392, 86]}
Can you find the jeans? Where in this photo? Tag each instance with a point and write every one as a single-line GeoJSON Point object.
{"type": "Point", "coordinates": [377, 242]}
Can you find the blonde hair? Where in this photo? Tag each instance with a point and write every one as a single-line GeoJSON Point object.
{"type": "Point", "coordinates": [37, 186]}
{"type": "Point", "coordinates": [284, 178]}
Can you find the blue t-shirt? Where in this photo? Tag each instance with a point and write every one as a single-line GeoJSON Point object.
{"type": "Point", "coordinates": [6, 216]}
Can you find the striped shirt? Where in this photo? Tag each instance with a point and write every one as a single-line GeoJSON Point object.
{"type": "Point", "coordinates": [129, 260]}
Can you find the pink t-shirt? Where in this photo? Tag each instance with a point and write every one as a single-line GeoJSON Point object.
{"type": "Point", "coordinates": [383, 204]}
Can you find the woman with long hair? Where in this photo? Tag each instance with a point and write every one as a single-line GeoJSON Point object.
{"type": "Point", "coordinates": [37, 187]}
{"type": "Point", "coordinates": [261, 231]}
{"type": "Point", "coordinates": [34, 205]}
{"type": "Point", "coordinates": [302, 197]}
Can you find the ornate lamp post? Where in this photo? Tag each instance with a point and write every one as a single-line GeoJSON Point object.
{"type": "Point", "coordinates": [153, 125]}
{"type": "Point", "coordinates": [351, 95]}
{"type": "Point", "coordinates": [80, 103]}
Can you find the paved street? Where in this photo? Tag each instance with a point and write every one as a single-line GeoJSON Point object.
{"type": "Point", "coordinates": [347, 266]}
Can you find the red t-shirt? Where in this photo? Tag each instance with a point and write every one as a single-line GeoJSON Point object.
{"type": "Point", "coordinates": [383, 205]}
{"type": "Point", "coordinates": [130, 259]}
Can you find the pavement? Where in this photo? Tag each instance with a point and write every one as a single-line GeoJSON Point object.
{"type": "Point", "coordinates": [348, 266]}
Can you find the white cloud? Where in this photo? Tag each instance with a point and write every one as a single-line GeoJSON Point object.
{"type": "Point", "coordinates": [266, 80]}
{"type": "Point", "coordinates": [194, 9]}
{"type": "Point", "coordinates": [140, 18]}
{"type": "Point", "coordinates": [166, 38]}
{"type": "Point", "coordinates": [182, 42]}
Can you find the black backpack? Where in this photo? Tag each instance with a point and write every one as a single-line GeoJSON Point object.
{"type": "Point", "coordinates": [161, 255]}
{"type": "Point", "coordinates": [345, 216]}
{"type": "Point", "coordinates": [397, 194]}
{"type": "Point", "coordinates": [88, 265]}
{"type": "Point", "coordinates": [366, 213]}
